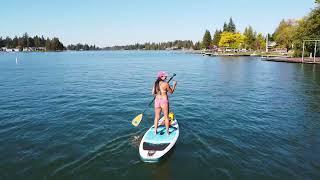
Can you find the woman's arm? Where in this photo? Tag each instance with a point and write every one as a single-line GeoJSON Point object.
{"type": "Point", "coordinates": [169, 89]}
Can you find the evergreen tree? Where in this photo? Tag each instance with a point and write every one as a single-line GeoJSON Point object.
{"type": "Point", "coordinates": [250, 37]}
{"type": "Point", "coordinates": [31, 42]}
{"type": "Point", "coordinates": [42, 41]}
{"type": "Point", "coordinates": [216, 37]}
{"type": "Point", "coordinates": [197, 46]}
{"type": "Point", "coordinates": [231, 26]}
{"type": "Point", "coordinates": [79, 47]}
{"type": "Point", "coordinates": [15, 42]}
{"type": "Point", "coordinates": [48, 45]}
{"type": "Point", "coordinates": [225, 27]}
{"type": "Point", "coordinates": [260, 42]}
{"type": "Point", "coordinates": [8, 42]}
{"type": "Point", "coordinates": [25, 38]}
{"type": "Point", "coordinates": [56, 45]}
{"type": "Point", "coordinates": [86, 47]}
{"type": "Point", "coordinates": [37, 42]}
{"type": "Point", "coordinates": [206, 40]}
{"type": "Point", "coordinates": [270, 37]}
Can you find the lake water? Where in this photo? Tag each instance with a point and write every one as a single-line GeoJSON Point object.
{"type": "Point", "coordinates": [68, 116]}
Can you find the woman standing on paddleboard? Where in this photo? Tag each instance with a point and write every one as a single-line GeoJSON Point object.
{"type": "Point", "coordinates": [161, 103]}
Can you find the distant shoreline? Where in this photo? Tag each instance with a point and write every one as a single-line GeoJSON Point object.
{"type": "Point", "coordinates": [202, 52]}
{"type": "Point", "coordinates": [275, 57]}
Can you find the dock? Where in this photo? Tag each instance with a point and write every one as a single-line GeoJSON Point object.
{"type": "Point", "coordinates": [224, 54]}
{"type": "Point", "coordinates": [292, 60]}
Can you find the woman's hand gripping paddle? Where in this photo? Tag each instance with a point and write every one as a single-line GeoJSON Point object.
{"type": "Point", "coordinates": [136, 121]}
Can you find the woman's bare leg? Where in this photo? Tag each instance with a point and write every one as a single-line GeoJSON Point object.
{"type": "Point", "coordinates": [165, 110]}
{"type": "Point", "coordinates": [157, 112]}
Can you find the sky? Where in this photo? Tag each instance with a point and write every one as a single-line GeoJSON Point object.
{"type": "Point", "coordinates": [121, 22]}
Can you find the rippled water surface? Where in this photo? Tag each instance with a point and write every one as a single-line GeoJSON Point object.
{"type": "Point", "coordinates": [68, 116]}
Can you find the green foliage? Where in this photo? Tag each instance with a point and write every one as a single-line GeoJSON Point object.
{"type": "Point", "coordinates": [231, 40]}
{"type": "Point", "coordinates": [27, 41]}
{"type": "Point", "coordinates": [30, 42]}
{"type": "Point", "coordinates": [48, 45]}
{"type": "Point", "coordinates": [54, 45]}
{"type": "Point", "coordinates": [16, 42]}
{"type": "Point", "coordinates": [37, 41]}
{"type": "Point", "coordinates": [230, 27]}
{"type": "Point", "coordinates": [225, 27]}
{"type": "Point", "coordinates": [307, 28]}
{"type": "Point", "coordinates": [283, 35]}
{"type": "Point", "coordinates": [270, 37]}
{"type": "Point", "coordinates": [250, 38]}
{"type": "Point", "coordinates": [206, 40]}
{"type": "Point", "coordinates": [177, 44]}
{"type": "Point", "coordinates": [8, 42]}
{"type": "Point", "coordinates": [260, 42]}
{"type": "Point", "coordinates": [197, 46]}
{"type": "Point", "coordinates": [83, 47]}
{"type": "Point", "coordinates": [216, 37]}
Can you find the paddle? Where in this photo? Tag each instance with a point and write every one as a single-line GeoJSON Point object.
{"type": "Point", "coordinates": [136, 121]}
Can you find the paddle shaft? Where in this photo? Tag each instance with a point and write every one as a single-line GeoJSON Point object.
{"type": "Point", "coordinates": [155, 97]}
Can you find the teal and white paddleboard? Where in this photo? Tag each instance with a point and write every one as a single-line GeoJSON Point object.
{"type": "Point", "coordinates": [153, 147]}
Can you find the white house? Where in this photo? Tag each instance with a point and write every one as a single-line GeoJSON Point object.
{"type": "Point", "coordinates": [10, 49]}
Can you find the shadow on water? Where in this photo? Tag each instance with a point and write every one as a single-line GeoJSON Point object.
{"type": "Point", "coordinates": [161, 170]}
{"type": "Point", "coordinates": [166, 158]}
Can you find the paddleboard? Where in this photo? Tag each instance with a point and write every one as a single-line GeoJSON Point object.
{"type": "Point", "coordinates": [153, 147]}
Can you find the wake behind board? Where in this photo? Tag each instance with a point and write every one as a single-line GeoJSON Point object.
{"type": "Point", "coordinates": [153, 147]}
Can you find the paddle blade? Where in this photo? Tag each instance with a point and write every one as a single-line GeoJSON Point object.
{"type": "Point", "coordinates": [137, 120]}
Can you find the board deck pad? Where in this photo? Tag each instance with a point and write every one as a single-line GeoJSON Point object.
{"type": "Point", "coordinates": [156, 147]}
{"type": "Point", "coordinates": [162, 136]}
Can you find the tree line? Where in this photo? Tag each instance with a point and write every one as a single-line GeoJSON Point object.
{"type": "Point", "coordinates": [54, 44]}
{"type": "Point", "coordinates": [177, 44]}
{"type": "Point", "coordinates": [228, 37]}
{"type": "Point", "coordinates": [83, 47]}
{"type": "Point", "coordinates": [26, 41]}
{"type": "Point", "coordinates": [289, 34]}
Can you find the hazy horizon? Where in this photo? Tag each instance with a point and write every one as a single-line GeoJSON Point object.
{"type": "Point", "coordinates": [124, 22]}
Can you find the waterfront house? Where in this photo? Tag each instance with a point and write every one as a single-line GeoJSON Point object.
{"type": "Point", "coordinates": [40, 49]}
{"type": "Point", "coordinates": [10, 49]}
{"type": "Point", "coordinates": [280, 50]}
{"type": "Point", "coordinates": [30, 49]}
{"type": "Point", "coordinates": [26, 49]}
{"type": "Point", "coordinates": [271, 45]}
{"type": "Point", "coordinates": [243, 50]}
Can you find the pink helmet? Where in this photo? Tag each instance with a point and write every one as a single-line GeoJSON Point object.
{"type": "Point", "coordinates": [161, 73]}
